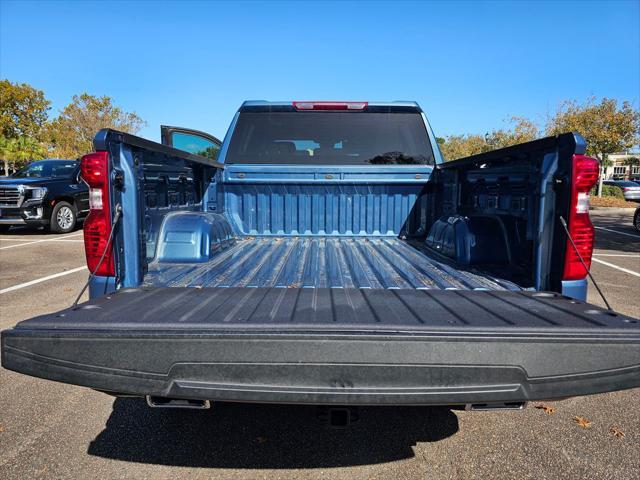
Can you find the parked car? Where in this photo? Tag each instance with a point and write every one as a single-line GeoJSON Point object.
{"type": "Point", "coordinates": [45, 193]}
{"type": "Point", "coordinates": [630, 190]}
{"type": "Point", "coordinates": [330, 256]}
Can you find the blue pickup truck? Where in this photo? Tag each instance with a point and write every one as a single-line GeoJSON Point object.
{"type": "Point", "coordinates": [324, 253]}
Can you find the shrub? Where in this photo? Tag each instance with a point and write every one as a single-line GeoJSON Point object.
{"type": "Point", "coordinates": [608, 191]}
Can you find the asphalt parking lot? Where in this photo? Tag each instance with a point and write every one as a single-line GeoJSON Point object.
{"type": "Point", "coordinates": [51, 430]}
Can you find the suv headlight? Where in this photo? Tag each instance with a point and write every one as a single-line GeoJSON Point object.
{"type": "Point", "coordinates": [38, 193]}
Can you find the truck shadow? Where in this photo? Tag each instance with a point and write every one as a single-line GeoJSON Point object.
{"type": "Point", "coordinates": [265, 436]}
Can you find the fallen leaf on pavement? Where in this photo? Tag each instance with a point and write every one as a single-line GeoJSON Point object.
{"type": "Point", "coordinates": [261, 439]}
{"type": "Point", "coordinates": [583, 422]}
{"type": "Point", "coordinates": [616, 432]}
{"type": "Point", "coordinates": [548, 409]}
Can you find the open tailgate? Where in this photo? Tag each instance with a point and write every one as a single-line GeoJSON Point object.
{"type": "Point", "coordinates": [341, 346]}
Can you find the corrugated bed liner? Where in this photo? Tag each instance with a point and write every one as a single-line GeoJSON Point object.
{"type": "Point", "coordinates": [302, 262]}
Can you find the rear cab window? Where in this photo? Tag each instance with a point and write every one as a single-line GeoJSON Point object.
{"type": "Point", "coordinates": [373, 136]}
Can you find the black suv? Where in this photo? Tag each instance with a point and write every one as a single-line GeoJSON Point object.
{"type": "Point", "coordinates": [45, 193]}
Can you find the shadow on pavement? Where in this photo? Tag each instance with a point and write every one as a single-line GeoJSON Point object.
{"type": "Point", "coordinates": [24, 231]}
{"type": "Point", "coordinates": [265, 436]}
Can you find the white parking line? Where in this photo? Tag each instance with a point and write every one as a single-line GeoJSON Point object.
{"type": "Point", "coordinates": [625, 270]}
{"type": "Point", "coordinates": [41, 241]}
{"type": "Point", "coordinates": [618, 231]}
{"type": "Point", "coordinates": [13, 239]}
{"type": "Point", "coordinates": [631, 255]}
{"type": "Point", "coordinates": [49, 239]}
{"type": "Point", "coordinates": [42, 279]}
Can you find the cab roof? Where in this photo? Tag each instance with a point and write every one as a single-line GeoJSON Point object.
{"type": "Point", "coordinates": [291, 106]}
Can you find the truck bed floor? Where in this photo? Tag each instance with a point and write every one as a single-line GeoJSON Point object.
{"type": "Point", "coordinates": [298, 262]}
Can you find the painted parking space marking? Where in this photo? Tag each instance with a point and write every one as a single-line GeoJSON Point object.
{"type": "Point", "coordinates": [63, 240]}
{"type": "Point", "coordinates": [42, 279]}
{"type": "Point", "coordinates": [20, 241]}
{"type": "Point", "coordinates": [628, 255]}
{"type": "Point", "coordinates": [41, 241]}
{"type": "Point", "coordinates": [625, 270]}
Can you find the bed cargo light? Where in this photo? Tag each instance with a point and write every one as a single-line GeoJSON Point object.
{"type": "Point", "coordinates": [330, 105]}
{"type": "Point", "coordinates": [584, 175]}
{"type": "Point", "coordinates": [97, 226]}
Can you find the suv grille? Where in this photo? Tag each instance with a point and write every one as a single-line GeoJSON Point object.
{"type": "Point", "coordinates": [10, 197]}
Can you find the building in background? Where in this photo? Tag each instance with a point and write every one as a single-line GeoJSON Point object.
{"type": "Point", "coordinates": [624, 166]}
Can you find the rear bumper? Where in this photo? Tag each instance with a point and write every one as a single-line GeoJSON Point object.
{"type": "Point", "coordinates": [331, 368]}
{"type": "Point", "coordinates": [632, 196]}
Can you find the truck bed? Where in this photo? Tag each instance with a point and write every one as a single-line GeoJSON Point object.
{"type": "Point", "coordinates": [303, 262]}
{"type": "Point", "coordinates": [301, 287]}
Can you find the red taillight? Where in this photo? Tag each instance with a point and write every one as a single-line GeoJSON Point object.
{"type": "Point", "coordinates": [97, 226]}
{"type": "Point", "coordinates": [330, 105]}
{"type": "Point", "coordinates": [584, 175]}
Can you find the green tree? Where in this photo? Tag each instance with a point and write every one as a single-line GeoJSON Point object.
{"type": "Point", "coordinates": [23, 110]}
{"type": "Point", "coordinates": [6, 151]}
{"type": "Point", "coordinates": [632, 161]}
{"type": "Point", "coordinates": [523, 130]}
{"type": "Point", "coordinates": [19, 151]}
{"type": "Point", "coordinates": [460, 146]}
{"type": "Point", "coordinates": [210, 152]}
{"type": "Point", "coordinates": [607, 127]}
{"type": "Point", "coordinates": [27, 149]}
{"type": "Point", "coordinates": [23, 117]}
{"type": "Point", "coordinates": [71, 133]}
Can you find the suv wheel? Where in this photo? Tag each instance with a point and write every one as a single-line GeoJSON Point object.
{"type": "Point", "coordinates": [636, 219]}
{"type": "Point", "coordinates": [63, 218]}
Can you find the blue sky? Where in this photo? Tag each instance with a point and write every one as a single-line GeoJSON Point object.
{"type": "Point", "coordinates": [469, 64]}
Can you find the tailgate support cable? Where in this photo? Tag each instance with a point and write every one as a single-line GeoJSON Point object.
{"type": "Point", "coordinates": [566, 229]}
{"type": "Point", "coordinates": [116, 218]}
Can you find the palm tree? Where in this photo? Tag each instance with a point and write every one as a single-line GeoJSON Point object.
{"type": "Point", "coordinates": [20, 151]}
{"type": "Point", "coordinates": [27, 149]}
{"type": "Point", "coordinates": [6, 152]}
{"type": "Point", "coordinates": [633, 162]}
